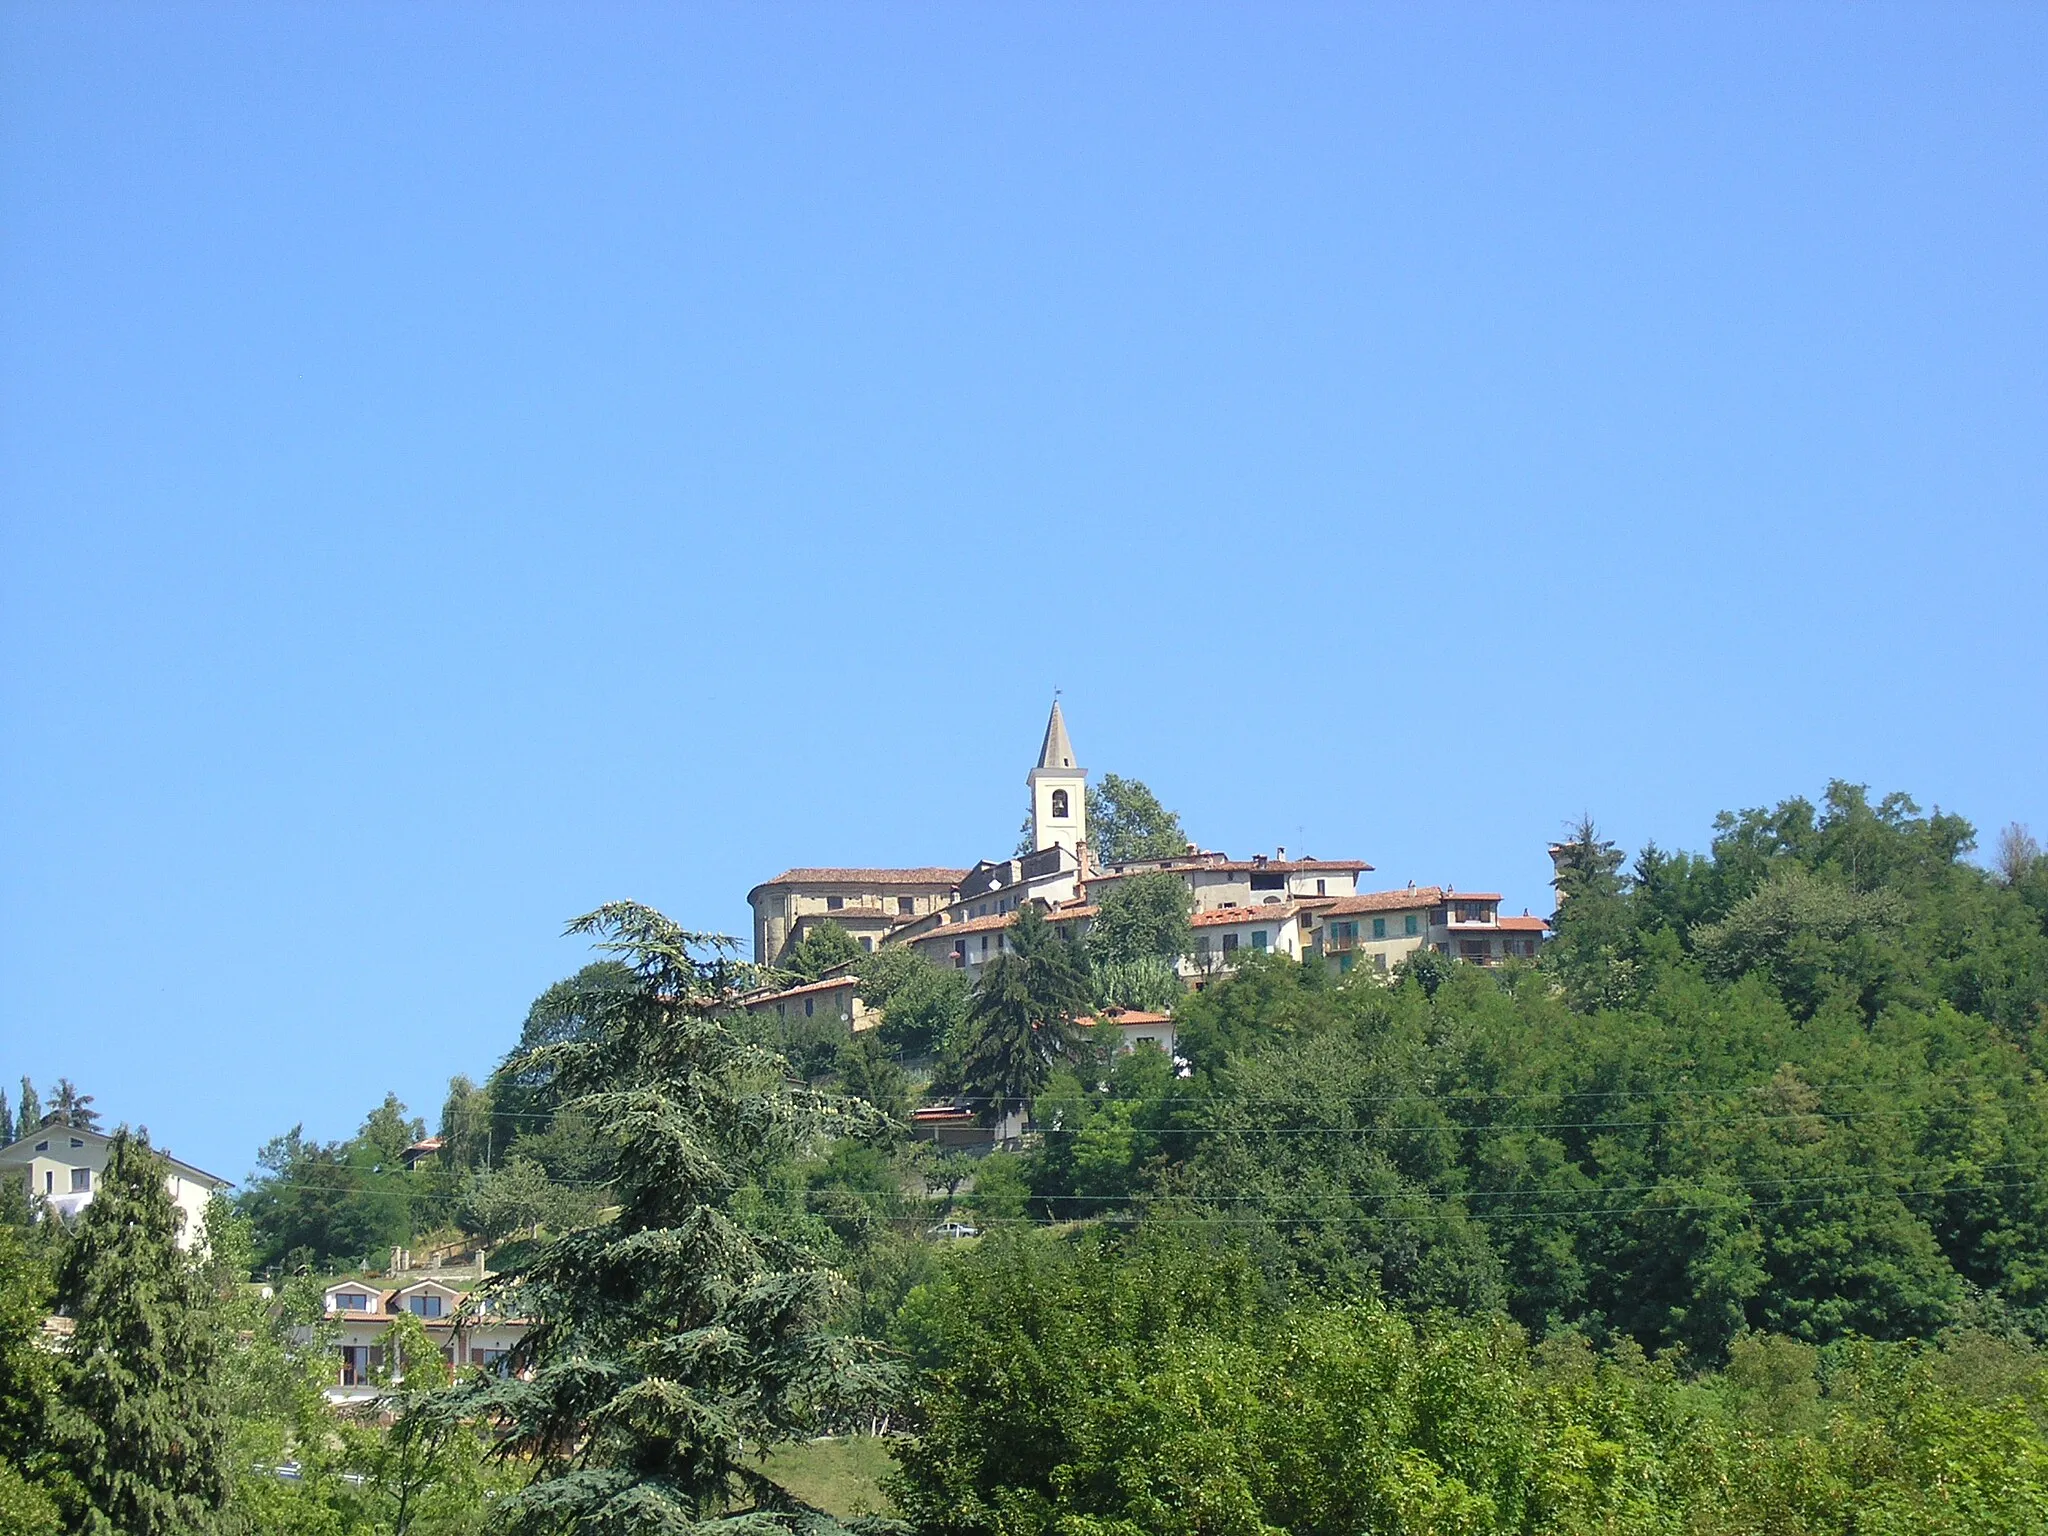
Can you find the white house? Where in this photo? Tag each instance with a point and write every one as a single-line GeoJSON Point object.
{"type": "Point", "coordinates": [361, 1314]}
{"type": "Point", "coordinates": [63, 1164]}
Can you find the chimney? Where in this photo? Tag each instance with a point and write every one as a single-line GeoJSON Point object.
{"type": "Point", "coordinates": [1279, 853]}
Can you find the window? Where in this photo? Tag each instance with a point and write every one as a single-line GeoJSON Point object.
{"type": "Point", "coordinates": [782, 1010]}
{"type": "Point", "coordinates": [1202, 947]}
{"type": "Point", "coordinates": [1438, 916]}
{"type": "Point", "coordinates": [1344, 963]}
{"type": "Point", "coordinates": [1379, 927]}
{"type": "Point", "coordinates": [76, 1142]}
{"type": "Point", "coordinates": [906, 905]}
{"type": "Point", "coordinates": [1411, 925]}
{"type": "Point", "coordinates": [355, 1365]}
{"type": "Point", "coordinates": [1380, 963]}
{"type": "Point", "coordinates": [1259, 939]}
{"type": "Point", "coordinates": [868, 945]}
{"type": "Point", "coordinates": [984, 943]}
{"type": "Point", "coordinates": [42, 1146]}
{"type": "Point", "coordinates": [49, 1182]}
{"type": "Point", "coordinates": [1475, 912]}
{"type": "Point", "coordinates": [1322, 887]}
{"type": "Point", "coordinates": [1059, 805]}
{"type": "Point", "coordinates": [493, 1360]}
{"type": "Point", "coordinates": [1229, 943]}
{"type": "Point", "coordinates": [1268, 881]}
{"type": "Point", "coordinates": [81, 1181]}
{"type": "Point", "coordinates": [1472, 949]}
{"type": "Point", "coordinates": [810, 1006]}
{"type": "Point", "coordinates": [423, 1306]}
{"type": "Point", "coordinates": [351, 1301]}
{"type": "Point", "coordinates": [835, 903]}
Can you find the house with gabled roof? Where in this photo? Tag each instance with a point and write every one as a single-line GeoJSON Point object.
{"type": "Point", "coordinates": [60, 1166]}
{"type": "Point", "coordinates": [463, 1325]}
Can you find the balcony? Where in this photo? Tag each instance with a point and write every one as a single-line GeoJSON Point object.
{"type": "Point", "coordinates": [1340, 944]}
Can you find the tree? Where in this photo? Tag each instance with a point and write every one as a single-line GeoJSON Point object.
{"type": "Point", "coordinates": [27, 1391]}
{"type": "Point", "coordinates": [1020, 1022]}
{"type": "Point", "coordinates": [70, 1107]}
{"type": "Point", "coordinates": [675, 1343]}
{"type": "Point", "coordinates": [466, 1118]}
{"type": "Point", "coordinates": [921, 1005]}
{"type": "Point", "coordinates": [523, 1093]}
{"type": "Point", "coordinates": [1126, 821]}
{"type": "Point", "coordinates": [1141, 917]}
{"type": "Point", "coordinates": [141, 1421]}
{"type": "Point", "coordinates": [31, 1113]}
{"type": "Point", "coordinates": [519, 1197]}
{"type": "Point", "coordinates": [824, 949]}
{"type": "Point", "coordinates": [339, 1200]}
{"type": "Point", "coordinates": [6, 1122]}
{"type": "Point", "coordinates": [1810, 934]}
{"type": "Point", "coordinates": [1148, 983]}
{"type": "Point", "coordinates": [866, 1073]}
{"type": "Point", "coordinates": [2018, 854]}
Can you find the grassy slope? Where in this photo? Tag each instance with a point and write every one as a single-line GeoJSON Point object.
{"type": "Point", "coordinates": [843, 1477]}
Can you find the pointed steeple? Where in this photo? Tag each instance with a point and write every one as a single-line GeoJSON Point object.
{"type": "Point", "coordinates": [1058, 752]}
{"type": "Point", "coordinates": [1059, 790]}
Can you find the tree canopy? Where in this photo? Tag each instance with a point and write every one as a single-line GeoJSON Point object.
{"type": "Point", "coordinates": [1126, 821]}
{"type": "Point", "coordinates": [674, 1342]}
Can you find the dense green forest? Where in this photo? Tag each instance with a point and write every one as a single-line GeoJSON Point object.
{"type": "Point", "coordinates": [1728, 1213]}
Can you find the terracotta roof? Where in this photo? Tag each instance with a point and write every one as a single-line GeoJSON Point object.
{"type": "Point", "coordinates": [1219, 917]}
{"type": "Point", "coordinates": [1524, 924]}
{"type": "Point", "coordinates": [1208, 863]}
{"type": "Point", "coordinates": [1125, 1017]}
{"type": "Point", "coordinates": [987, 924]}
{"type": "Point", "coordinates": [1472, 895]}
{"type": "Point", "coordinates": [828, 984]}
{"type": "Point", "coordinates": [1385, 901]}
{"type": "Point", "coordinates": [928, 875]}
{"type": "Point", "coordinates": [942, 1112]}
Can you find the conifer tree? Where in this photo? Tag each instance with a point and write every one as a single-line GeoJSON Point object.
{"type": "Point", "coordinates": [141, 1423]}
{"type": "Point", "coordinates": [674, 1343]}
{"type": "Point", "coordinates": [31, 1114]}
{"type": "Point", "coordinates": [1021, 1021]}
{"type": "Point", "coordinates": [6, 1122]}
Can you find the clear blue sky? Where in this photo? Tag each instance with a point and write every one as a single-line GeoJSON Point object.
{"type": "Point", "coordinates": [461, 465]}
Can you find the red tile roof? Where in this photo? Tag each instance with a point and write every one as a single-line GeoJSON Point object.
{"type": "Point", "coordinates": [928, 875]}
{"type": "Point", "coordinates": [1210, 863]}
{"type": "Point", "coordinates": [1412, 899]}
{"type": "Point", "coordinates": [829, 984]}
{"type": "Point", "coordinates": [987, 924]}
{"type": "Point", "coordinates": [1219, 917]}
{"type": "Point", "coordinates": [1524, 924]}
{"type": "Point", "coordinates": [1472, 896]}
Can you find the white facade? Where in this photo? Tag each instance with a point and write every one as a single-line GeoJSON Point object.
{"type": "Point", "coordinates": [359, 1314]}
{"type": "Point", "coordinates": [62, 1165]}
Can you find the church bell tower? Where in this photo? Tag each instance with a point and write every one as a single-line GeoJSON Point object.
{"type": "Point", "coordinates": [1059, 791]}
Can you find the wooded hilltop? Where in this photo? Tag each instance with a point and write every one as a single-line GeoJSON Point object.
{"type": "Point", "coordinates": [1726, 1213]}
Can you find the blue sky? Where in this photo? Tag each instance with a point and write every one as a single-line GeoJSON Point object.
{"type": "Point", "coordinates": [463, 464]}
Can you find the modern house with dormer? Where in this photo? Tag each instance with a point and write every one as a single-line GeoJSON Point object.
{"type": "Point", "coordinates": [462, 1326]}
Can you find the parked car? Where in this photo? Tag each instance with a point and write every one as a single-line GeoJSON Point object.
{"type": "Point", "coordinates": [952, 1229]}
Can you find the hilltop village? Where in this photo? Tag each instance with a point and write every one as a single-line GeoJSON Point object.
{"type": "Point", "coordinates": [1309, 909]}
